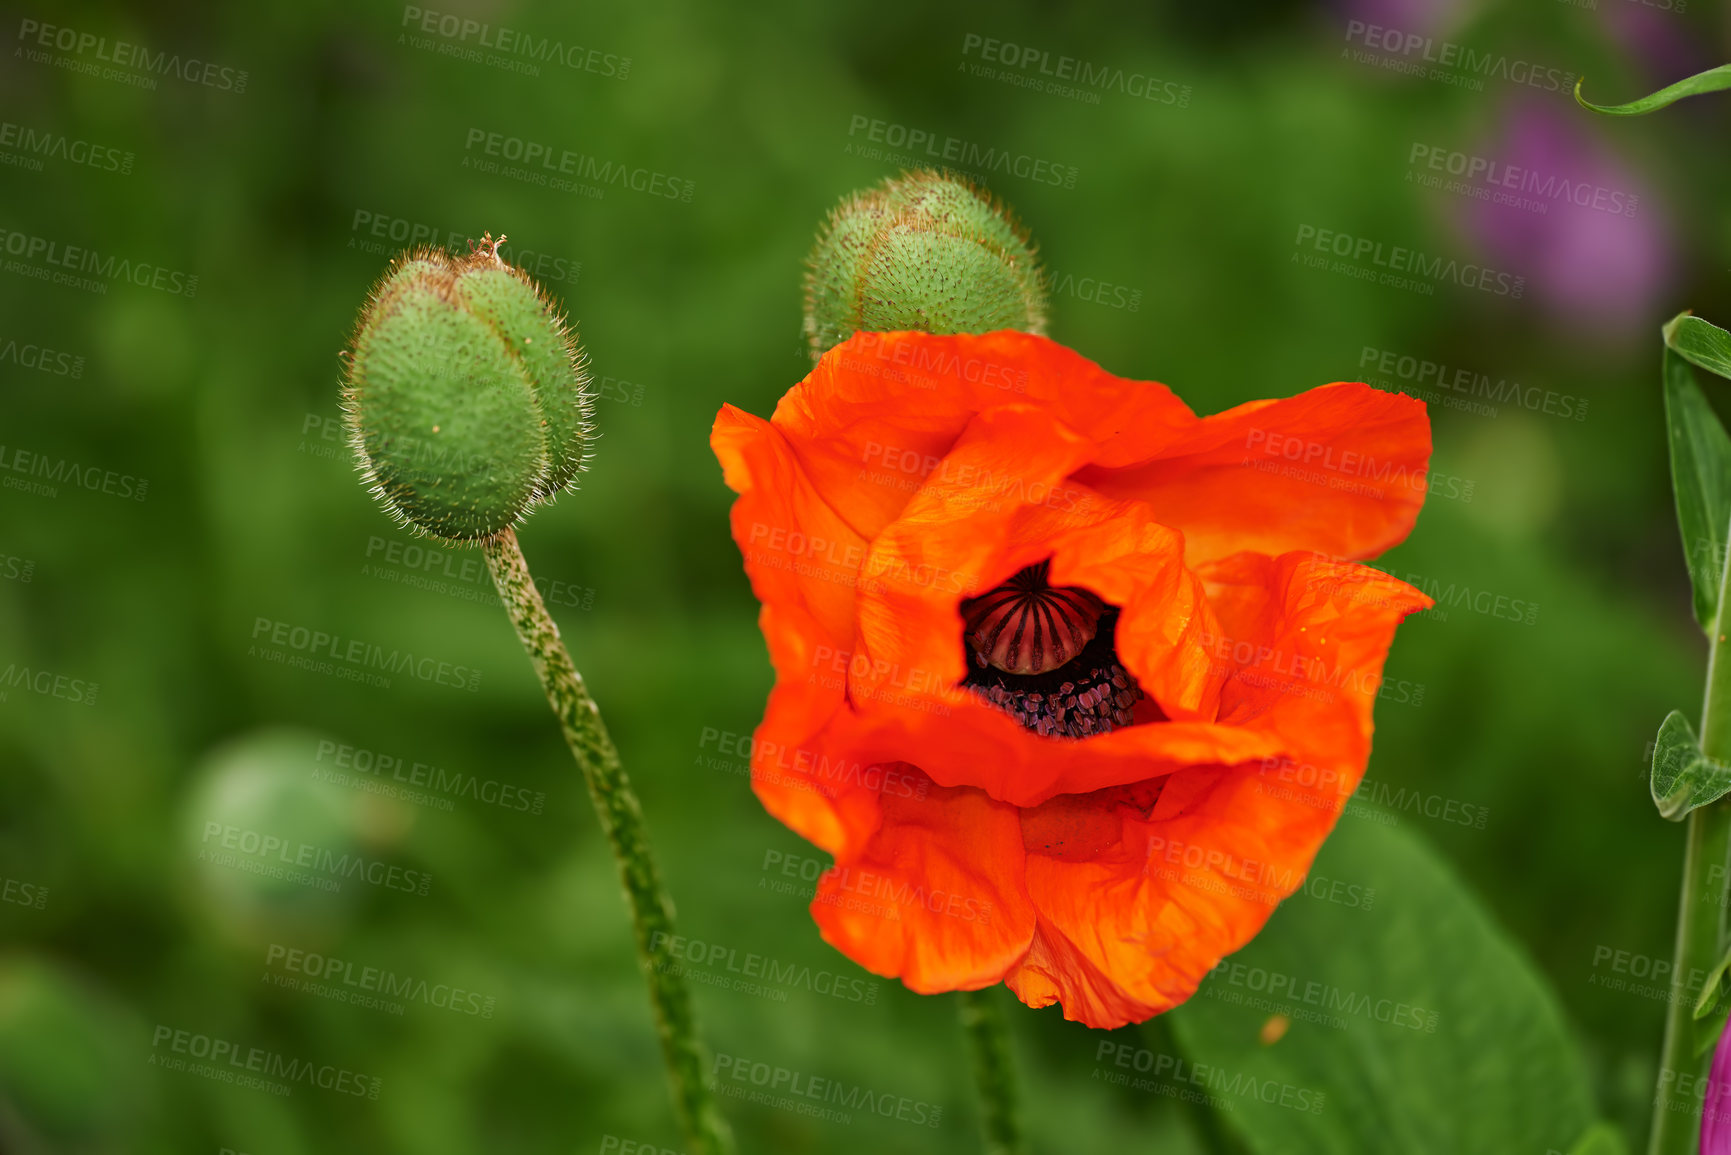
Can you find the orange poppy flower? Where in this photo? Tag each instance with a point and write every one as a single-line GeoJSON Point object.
{"type": "Point", "coordinates": [1071, 682]}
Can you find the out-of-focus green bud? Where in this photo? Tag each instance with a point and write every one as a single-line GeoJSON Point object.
{"type": "Point", "coordinates": [925, 251]}
{"type": "Point", "coordinates": [466, 398]}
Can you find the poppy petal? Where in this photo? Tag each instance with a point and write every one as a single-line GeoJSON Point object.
{"type": "Point", "coordinates": [999, 503]}
{"type": "Point", "coordinates": [1131, 929]}
{"type": "Point", "coordinates": [935, 897]}
{"type": "Point", "coordinates": [879, 412]}
{"type": "Point", "coordinates": [1303, 643]}
{"type": "Point", "coordinates": [1341, 470]}
{"type": "Point", "coordinates": [802, 561]}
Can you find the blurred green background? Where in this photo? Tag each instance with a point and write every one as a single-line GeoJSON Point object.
{"type": "Point", "coordinates": [171, 722]}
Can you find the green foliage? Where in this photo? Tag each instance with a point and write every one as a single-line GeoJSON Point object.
{"type": "Point", "coordinates": [1712, 80]}
{"type": "Point", "coordinates": [925, 251]}
{"type": "Point", "coordinates": [1683, 777]}
{"type": "Point", "coordinates": [1600, 1139]}
{"type": "Point", "coordinates": [1700, 461]}
{"type": "Point", "coordinates": [1415, 1026]}
{"type": "Point", "coordinates": [1701, 343]}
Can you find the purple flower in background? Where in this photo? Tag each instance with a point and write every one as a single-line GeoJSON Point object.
{"type": "Point", "coordinates": [1658, 47]}
{"type": "Point", "coordinates": [1555, 205]}
{"type": "Point", "coordinates": [1715, 1111]}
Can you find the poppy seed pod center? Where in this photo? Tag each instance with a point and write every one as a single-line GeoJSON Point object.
{"type": "Point", "coordinates": [1026, 626]}
{"type": "Point", "coordinates": [1045, 655]}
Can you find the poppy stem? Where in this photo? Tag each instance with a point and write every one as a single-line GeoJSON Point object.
{"type": "Point", "coordinates": [706, 1131]}
{"type": "Point", "coordinates": [994, 1072]}
{"type": "Point", "coordinates": [1700, 914]}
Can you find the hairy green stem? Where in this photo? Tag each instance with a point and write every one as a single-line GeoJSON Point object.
{"type": "Point", "coordinates": [1700, 914]}
{"type": "Point", "coordinates": [994, 1073]}
{"type": "Point", "coordinates": [706, 1132]}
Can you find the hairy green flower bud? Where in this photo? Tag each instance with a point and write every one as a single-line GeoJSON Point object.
{"type": "Point", "coordinates": [466, 399]}
{"type": "Point", "coordinates": [925, 251]}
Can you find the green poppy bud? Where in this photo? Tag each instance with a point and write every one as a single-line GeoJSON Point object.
{"type": "Point", "coordinates": [466, 398]}
{"type": "Point", "coordinates": [924, 251]}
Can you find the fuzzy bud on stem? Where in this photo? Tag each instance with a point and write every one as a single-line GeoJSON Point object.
{"type": "Point", "coordinates": [465, 394]}
{"type": "Point", "coordinates": [925, 251]}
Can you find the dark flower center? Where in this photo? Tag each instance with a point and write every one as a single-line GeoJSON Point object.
{"type": "Point", "coordinates": [1045, 655]}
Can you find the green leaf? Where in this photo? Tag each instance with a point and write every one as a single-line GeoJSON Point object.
{"type": "Point", "coordinates": [1600, 1139]}
{"type": "Point", "coordinates": [1709, 1027]}
{"type": "Point", "coordinates": [1712, 80]}
{"type": "Point", "coordinates": [1700, 464]}
{"type": "Point", "coordinates": [1712, 988]}
{"type": "Point", "coordinates": [1700, 343]}
{"type": "Point", "coordinates": [1684, 777]}
{"type": "Point", "coordinates": [1413, 1026]}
